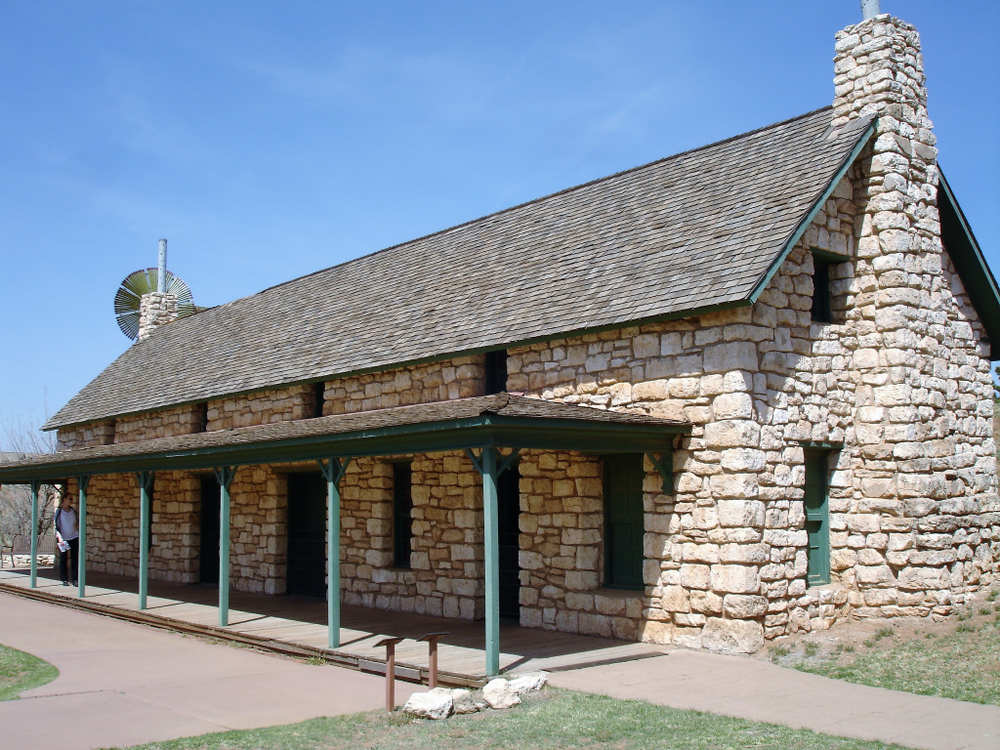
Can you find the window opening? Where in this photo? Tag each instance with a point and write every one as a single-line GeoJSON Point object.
{"type": "Point", "coordinates": [822, 310]}
{"type": "Point", "coordinates": [496, 371]}
{"type": "Point", "coordinates": [319, 398]}
{"type": "Point", "coordinates": [402, 514]}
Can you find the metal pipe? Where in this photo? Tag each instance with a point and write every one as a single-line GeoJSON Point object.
{"type": "Point", "coordinates": [869, 9]}
{"type": "Point", "coordinates": [161, 271]}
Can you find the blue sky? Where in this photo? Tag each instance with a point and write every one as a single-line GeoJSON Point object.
{"type": "Point", "coordinates": [269, 140]}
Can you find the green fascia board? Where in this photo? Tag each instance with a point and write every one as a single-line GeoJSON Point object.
{"type": "Point", "coordinates": [965, 253]}
{"type": "Point", "coordinates": [451, 435]}
{"type": "Point", "coordinates": [803, 225]}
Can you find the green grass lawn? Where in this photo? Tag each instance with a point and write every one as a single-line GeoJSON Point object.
{"type": "Point", "coordinates": [550, 720]}
{"type": "Point", "coordinates": [20, 671]}
{"type": "Point", "coordinates": [960, 661]}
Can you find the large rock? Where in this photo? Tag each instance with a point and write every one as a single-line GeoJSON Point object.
{"type": "Point", "coordinates": [528, 682]}
{"type": "Point", "coordinates": [434, 704]}
{"type": "Point", "coordinates": [498, 694]}
{"type": "Point", "coordinates": [463, 703]}
{"type": "Point", "coordinates": [740, 636]}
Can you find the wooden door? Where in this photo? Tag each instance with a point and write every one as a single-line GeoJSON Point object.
{"type": "Point", "coordinates": [623, 521]}
{"type": "Point", "coordinates": [211, 500]}
{"type": "Point", "coordinates": [818, 516]}
{"type": "Point", "coordinates": [306, 534]}
{"type": "Point", "coordinates": [509, 515]}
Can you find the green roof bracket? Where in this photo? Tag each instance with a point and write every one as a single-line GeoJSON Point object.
{"type": "Point", "coordinates": [508, 461]}
{"type": "Point", "coordinates": [333, 470]}
{"type": "Point", "coordinates": [501, 467]}
{"type": "Point", "coordinates": [665, 467]}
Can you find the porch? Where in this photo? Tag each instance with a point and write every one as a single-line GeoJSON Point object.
{"type": "Point", "coordinates": [486, 424]}
{"type": "Point", "coordinates": [297, 626]}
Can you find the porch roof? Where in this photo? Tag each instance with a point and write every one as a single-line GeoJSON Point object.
{"type": "Point", "coordinates": [503, 421]}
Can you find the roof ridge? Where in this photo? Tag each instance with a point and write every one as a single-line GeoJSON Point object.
{"type": "Point", "coordinates": [509, 209]}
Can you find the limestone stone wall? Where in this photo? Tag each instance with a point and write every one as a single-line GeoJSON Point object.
{"type": "Point", "coordinates": [460, 377]}
{"type": "Point", "coordinates": [86, 435]}
{"type": "Point", "coordinates": [258, 530]}
{"type": "Point", "coordinates": [113, 526]}
{"type": "Point", "coordinates": [726, 556]}
{"type": "Point", "coordinates": [264, 407]}
{"type": "Point", "coordinates": [179, 420]}
{"type": "Point", "coordinates": [562, 549]}
{"type": "Point", "coordinates": [446, 574]}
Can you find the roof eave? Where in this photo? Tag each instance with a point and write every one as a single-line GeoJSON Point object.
{"type": "Point", "coordinates": [969, 261]}
{"type": "Point", "coordinates": [816, 207]}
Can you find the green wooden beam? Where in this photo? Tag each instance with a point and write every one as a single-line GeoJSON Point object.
{"type": "Point", "coordinates": [333, 471]}
{"type": "Point", "coordinates": [145, 479]}
{"type": "Point", "coordinates": [499, 431]}
{"type": "Point", "coordinates": [83, 482]}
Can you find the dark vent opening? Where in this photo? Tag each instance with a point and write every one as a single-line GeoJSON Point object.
{"type": "Point", "coordinates": [822, 310]}
{"type": "Point", "coordinates": [496, 371]}
{"type": "Point", "coordinates": [201, 417]}
{"type": "Point", "coordinates": [109, 434]}
{"type": "Point", "coordinates": [319, 398]}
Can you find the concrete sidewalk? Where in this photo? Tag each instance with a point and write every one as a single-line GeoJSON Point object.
{"type": "Point", "coordinates": [121, 684]}
{"type": "Point", "coordinates": [752, 689]}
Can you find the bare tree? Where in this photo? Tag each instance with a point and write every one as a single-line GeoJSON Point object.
{"type": "Point", "coordinates": [20, 438]}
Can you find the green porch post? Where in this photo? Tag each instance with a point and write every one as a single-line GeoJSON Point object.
{"type": "Point", "coordinates": [83, 482]}
{"type": "Point", "coordinates": [333, 472]}
{"type": "Point", "coordinates": [145, 479]}
{"type": "Point", "coordinates": [490, 466]}
{"type": "Point", "coordinates": [224, 476]}
{"type": "Point", "coordinates": [35, 484]}
{"type": "Point", "coordinates": [492, 548]}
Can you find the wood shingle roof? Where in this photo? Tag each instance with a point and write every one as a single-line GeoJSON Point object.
{"type": "Point", "coordinates": [691, 231]}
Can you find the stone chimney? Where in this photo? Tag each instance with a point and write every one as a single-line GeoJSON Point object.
{"type": "Point", "coordinates": [156, 309]}
{"type": "Point", "coordinates": [917, 444]}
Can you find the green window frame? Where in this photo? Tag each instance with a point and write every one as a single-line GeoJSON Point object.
{"type": "Point", "coordinates": [817, 510]}
{"type": "Point", "coordinates": [624, 525]}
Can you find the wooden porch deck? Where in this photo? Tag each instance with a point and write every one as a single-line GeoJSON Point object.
{"type": "Point", "coordinates": [296, 625]}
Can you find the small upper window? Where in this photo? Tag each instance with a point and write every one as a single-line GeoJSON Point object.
{"type": "Point", "coordinates": [822, 311]}
{"type": "Point", "coordinates": [319, 398]}
{"type": "Point", "coordinates": [496, 371]}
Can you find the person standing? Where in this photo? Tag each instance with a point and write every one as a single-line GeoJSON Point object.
{"type": "Point", "coordinates": [68, 537]}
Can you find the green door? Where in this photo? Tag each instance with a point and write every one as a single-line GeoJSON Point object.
{"type": "Point", "coordinates": [623, 521]}
{"type": "Point", "coordinates": [818, 516]}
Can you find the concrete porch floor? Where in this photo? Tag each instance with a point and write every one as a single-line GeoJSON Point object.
{"type": "Point", "coordinates": [296, 625]}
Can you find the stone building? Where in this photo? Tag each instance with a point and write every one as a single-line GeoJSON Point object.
{"type": "Point", "coordinates": [732, 394]}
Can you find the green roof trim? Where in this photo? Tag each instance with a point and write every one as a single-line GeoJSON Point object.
{"type": "Point", "coordinates": [965, 253]}
{"type": "Point", "coordinates": [603, 432]}
{"type": "Point", "coordinates": [796, 235]}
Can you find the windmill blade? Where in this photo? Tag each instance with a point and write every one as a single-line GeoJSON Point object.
{"type": "Point", "coordinates": [128, 298]}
